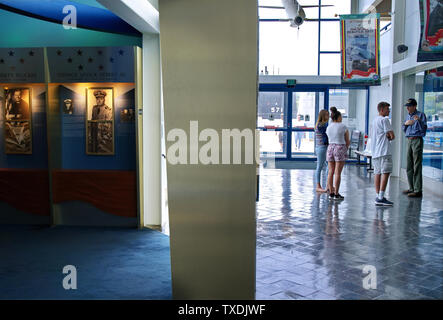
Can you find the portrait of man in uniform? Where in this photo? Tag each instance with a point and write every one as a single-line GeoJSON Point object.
{"type": "Point", "coordinates": [68, 107]}
{"type": "Point", "coordinates": [100, 121]}
{"type": "Point", "coordinates": [17, 106]}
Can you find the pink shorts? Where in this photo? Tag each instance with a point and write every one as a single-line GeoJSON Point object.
{"type": "Point", "coordinates": [337, 152]}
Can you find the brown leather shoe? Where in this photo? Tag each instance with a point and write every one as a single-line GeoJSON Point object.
{"type": "Point", "coordinates": [407, 191]}
{"type": "Point", "coordinates": [415, 195]}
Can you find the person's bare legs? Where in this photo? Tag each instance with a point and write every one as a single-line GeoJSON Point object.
{"type": "Point", "coordinates": [338, 169]}
{"type": "Point", "coordinates": [320, 189]}
{"type": "Point", "coordinates": [384, 181]}
{"type": "Point", "coordinates": [331, 170]}
{"type": "Point", "coordinates": [377, 183]}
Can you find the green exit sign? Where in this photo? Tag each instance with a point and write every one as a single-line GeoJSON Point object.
{"type": "Point", "coordinates": [291, 82]}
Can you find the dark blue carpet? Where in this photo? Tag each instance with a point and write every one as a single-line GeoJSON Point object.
{"type": "Point", "coordinates": [112, 263]}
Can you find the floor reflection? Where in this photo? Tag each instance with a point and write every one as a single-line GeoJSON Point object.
{"type": "Point", "coordinates": [310, 247]}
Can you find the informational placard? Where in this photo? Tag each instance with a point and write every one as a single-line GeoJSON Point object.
{"type": "Point", "coordinates": [360, 49]}
{"type": "Point", "coordinates": [91, 64]}
{"type": "Point", "coordinates": [22, 65]}
{"type": "Point", "coordinates": [431, 38]}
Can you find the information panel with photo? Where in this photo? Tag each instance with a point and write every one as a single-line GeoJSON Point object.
{"type": "Point", "coordinates": [100, 121]}
{"type": "Point", "coordinates": [17, 115]}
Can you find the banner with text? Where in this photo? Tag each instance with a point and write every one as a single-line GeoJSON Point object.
{"type": "Point", "coordinates": [360, 49]}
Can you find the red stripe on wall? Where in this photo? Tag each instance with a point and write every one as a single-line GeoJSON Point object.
{"type": "Point", "coordinates": [114, 192]}
{"type": "Point", "coordinates": [26, 190]}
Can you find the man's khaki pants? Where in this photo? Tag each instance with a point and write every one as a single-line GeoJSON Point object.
{"type": "Point", "coordinates": [414, 164]}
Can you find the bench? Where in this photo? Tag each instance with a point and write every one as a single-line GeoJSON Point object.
{"type": "Point", "coordinates": [364, 155]}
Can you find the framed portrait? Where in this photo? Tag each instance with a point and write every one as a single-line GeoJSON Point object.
{"type": "Point", "coordinates": [18, 138]}
{"type": "Point", "coordinates": [127, 115]}
{"type": "Point", "coordinates": [68, 107]}
{"type": "Point", "coordinates": [100, 121]}
{"type": "Point", "coordinates": [17, 104]}
{"type": "Point", "coordinates": [18, 115]}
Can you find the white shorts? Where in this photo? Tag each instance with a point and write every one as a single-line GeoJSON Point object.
{"type": "Point", "coordinates": [382, 165]}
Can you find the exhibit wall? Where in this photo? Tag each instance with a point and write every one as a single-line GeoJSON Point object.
{"type": "Point", "coordinates": [24, 183]}
{"type": "Point", "coordinates": [68, 145]}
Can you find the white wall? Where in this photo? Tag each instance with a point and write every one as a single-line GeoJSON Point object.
{"type": "Point", "coordinates": [385, 50]}
{"type": "Point", "coordinates": [376, 95]}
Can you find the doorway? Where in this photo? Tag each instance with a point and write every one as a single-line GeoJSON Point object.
{"type": "Point", "coordinates": [286, 120]}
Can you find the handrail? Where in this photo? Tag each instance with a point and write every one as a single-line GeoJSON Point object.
{"type": "Point", "coordinates": [385, 28]}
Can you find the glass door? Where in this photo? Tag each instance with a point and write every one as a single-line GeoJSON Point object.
{"type": "Point", "coordinates": [272, 115]}
{"type": "Point", "coordinates": [305, 108]}
{"type": "Point", "coordinates": [286, 120]}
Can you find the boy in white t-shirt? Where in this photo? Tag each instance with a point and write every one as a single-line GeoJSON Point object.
{"type": "Point", "coordinates": [381, 135]}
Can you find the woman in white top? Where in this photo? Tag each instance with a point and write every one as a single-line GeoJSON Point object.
{"type": "Point", "coordinates": [337, 154]}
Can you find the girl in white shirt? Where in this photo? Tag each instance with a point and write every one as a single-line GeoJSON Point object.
{"type": "Point", "coordinates": [337, 154]}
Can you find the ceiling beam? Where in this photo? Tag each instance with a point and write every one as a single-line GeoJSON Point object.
{"type": "Point", "coordinates": [140, 14]}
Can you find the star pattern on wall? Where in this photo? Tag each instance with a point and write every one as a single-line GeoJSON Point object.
{"type": "Point", "coordinates": [26, 64]}
{"type": "Point", "coordinates": [88, 62]}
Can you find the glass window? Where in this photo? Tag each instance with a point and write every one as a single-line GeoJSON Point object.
{"type": "Point", "coordinates": [429, 95]}
{"type": "Point", "coordinates": [311, 13]}
{"type": "Point", "coordinates": [303, 110]}
{"type": "Point", "coordinates": [303, 142]}
{"type": "Point", "coordinates": [273, 142]}
{"type": "Point", "coordinates": [271, 107]}
{"type": "Point", "coordinates": [330, 36]}
{"type": "Point", "coordinates": [284, 50]}
{"type": "Point", "coordinates": [352, 105]}
{"type": "Point", "coordinates": [338, 7]}
{"type": "Point", "coordinates": [330, 64]}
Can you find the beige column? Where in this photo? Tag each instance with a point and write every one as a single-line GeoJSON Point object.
{"type": "Point", "coordinates": [209, 64]}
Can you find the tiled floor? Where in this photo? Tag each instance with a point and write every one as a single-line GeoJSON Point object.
{"type": "Point", "coordinates": [309, 247]}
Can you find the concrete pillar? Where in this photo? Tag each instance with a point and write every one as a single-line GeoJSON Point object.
{"type": "Point", "coordinates": [209, 63]}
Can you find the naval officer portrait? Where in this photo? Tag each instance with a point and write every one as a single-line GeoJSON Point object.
{"type": "Point", "coordinates": [101, 111]}
{"type": "Point", "coordinates": [100, 140]}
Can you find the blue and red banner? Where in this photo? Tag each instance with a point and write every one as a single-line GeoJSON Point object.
{"type": "Point", "coordinates": [431, 38]}
{"type": "Point", "coordinates": [360, 49]}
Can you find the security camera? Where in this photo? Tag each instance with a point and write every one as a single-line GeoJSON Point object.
{"type": "Point", "coordinates": [402, 48]}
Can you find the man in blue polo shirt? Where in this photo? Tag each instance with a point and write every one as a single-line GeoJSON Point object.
{"type": "Point", "coordinates": [415, 128]}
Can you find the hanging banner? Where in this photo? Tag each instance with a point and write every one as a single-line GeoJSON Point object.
{"type": "Point", "coordinates": [431, 38]}
{"type": "Point", "coordinates": [360, 49]}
